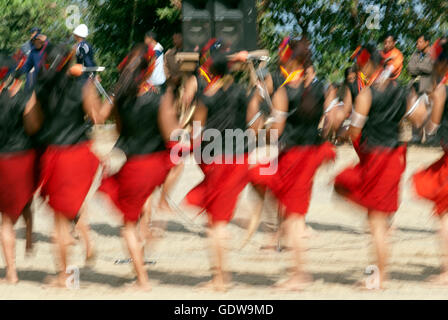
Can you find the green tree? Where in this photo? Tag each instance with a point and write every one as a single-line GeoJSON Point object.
{"type": "Point", "coordinates": [17, 17]}
{"type": "Point", "coordinates": [118, 25]}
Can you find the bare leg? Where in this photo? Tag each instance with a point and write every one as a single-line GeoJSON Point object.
{"type": "Point", "coordinates": [217, 235]}
{"type": "Point", "coordinates": [130, 235]}
{"type": "Point", "coordinates": [28, 217]}
{"type": "Point", "coordinates": [379, 228]}
{"type": "Point", "coordinates": [295, 228]}
{"type": "Point", "coordinates": [143, 225]}
{"type": "Point", "coordinates": [8, 238]}
{"type": "Point", "coordinates": [62, 239]}
{"type": "Point", "coordinates": [443, 232]}
{"type": "Point", "coordinates": [171, 179]}
{"type": "Point", "coordinates": [84, 230]}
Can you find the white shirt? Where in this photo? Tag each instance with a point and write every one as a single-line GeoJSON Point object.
{"type": "Point", "coordinates": [158, 77]}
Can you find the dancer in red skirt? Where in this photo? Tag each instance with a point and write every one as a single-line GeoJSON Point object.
{"type": "Point", "coordinates": [298, 108]}
{"type": "Point", "coordinates": [67, 166]}
{"type": "Point", "coordinates": [432, 183]}
{"type": "Point", "coordinates": [146, 120]}
{"type": "Point", "coordinates": [374, 182]}
{"type": "Point", "coordinates": [17, 159]}
{"type": "Point", "coordinates": [222, 106]}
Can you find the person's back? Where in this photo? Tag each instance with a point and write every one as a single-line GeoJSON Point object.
{"type": "Point", "coordinates": [387, 109]}
{"type": "Point", "coordinates": [306, 107]}
{"type": "Point", "coordinates": [140, 133]}
{"type": "Point", "coordinates": [12, 133]}
{"type": "Point", "coordinates": [62, 105]}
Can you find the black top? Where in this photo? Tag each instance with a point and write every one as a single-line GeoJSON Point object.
{"type": "Point", "coordinates": [354, 90]}
{"type": "Point", "coordinates": [12, 133]}
{"type": "Point", "coordinates": [227, 109]}
{"type": "Point", "coordinates": [306, 108]}
{"type": "Point", "coordinates": [140, 132]}
{"type": "Point", "coordinates": [64, 117]}
{"type": "Point", "coordinates": [387, 110]}
{"type": "Point", "coordinates": [443, 130]}
{"type": "Point", "coordinates": [277, 81]}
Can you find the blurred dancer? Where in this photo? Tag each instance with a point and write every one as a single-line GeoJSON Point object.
{"type": "Point", "coordinates": [298, 108]}
{"type": "Point", "coordinates": [147, 120]}
{"type": "Point", "coordinates": [67, 165]}
{"type": "Point", "coordinates": [221, 106]}
{"type": "Point", "coordinates": [17, 159]}
{"type": "Point", "coordinates": [432, 183]}
{"type": "Point", "coordinates": [374, 182]}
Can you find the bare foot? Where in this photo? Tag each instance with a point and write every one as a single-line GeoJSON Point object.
{"type": "Point", "coordinates": [219, 285]}
{"type": "Point", "coordinates": [90, 257]}
{"type": "Point", "coordinates": [59, 281]}
{"type": "Point", "coordinates": [366, 284]}
{"type": "Point", "coordinates": [439, 280]}
{"type": "Point", "coordinates": [138, 286]}
{"type": "Point", "coordinates": [297, 282]}
{"type": "Point", "coordinates": [11, 278]}
{"type": "Point", "coordinates": [309, 233]}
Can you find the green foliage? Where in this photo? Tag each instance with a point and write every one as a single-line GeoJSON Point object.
{"type": "Point", "coordinates": [119, 25]}
{"type": "Point", "coordinates": [334, 27]}
{"type": "Point", "coordinates": [17, 17]}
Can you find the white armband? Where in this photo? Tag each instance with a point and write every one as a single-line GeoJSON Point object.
{"type": "Point", "coordinates": [279, 115]}
{"type": "Point", "coordinates": [255, 118]}
{"type": "Point", "coordinates": [357, 120]}
{"type": "Point", "coordinates": [431, 128]}
{"type": "Point", "coordinates": [334, 103]}
{"type": "Point", "coordinates": [416, 104]}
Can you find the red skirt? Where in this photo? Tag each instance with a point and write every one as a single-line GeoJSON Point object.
{"type": "Point", "coordinates": [134, 183]}
{"type": "Point", "coordinates": [218, 192]}
{"type": "Point", "coordinates": [17, 182]}
{"type": "Point", "coordinates": [374, 182]}
{"type": "Point", "coordinates": [67, 173]}
{"type": "Point", "coordinates": [432, 184]}
{"type": "Point", "coordinates": [293, 181]}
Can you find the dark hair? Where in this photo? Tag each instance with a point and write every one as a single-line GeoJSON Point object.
{"type": "Point", "coordinates": [128, 83]}
{"type": "Point", "coordinates": [151, 34]}
{"type": "Point", "coordinates": [425, 36]}
{"type": "Point", "coordinates": [375, 55]}
{"type": "Point", "coordinates": [347, 71]}
{"type": "Point", "coordinates": [443, 57]}
{"type": "Point", "coordinates": [219, 64]}
{"type": "Point", "coordinates": [387, 35]}
{"type": "Point", "coordinates": [301, 52]}
{"type": "Point", "coordinates": [53, 76]}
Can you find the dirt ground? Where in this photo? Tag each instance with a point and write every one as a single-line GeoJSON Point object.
{"type": "Point", "coordinates": [337, 254]}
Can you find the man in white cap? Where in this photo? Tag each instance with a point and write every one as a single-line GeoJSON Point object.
{"type": "Point", "coordinates": [84, 51]}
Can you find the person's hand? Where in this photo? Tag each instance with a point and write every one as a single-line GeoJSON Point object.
{"type": "Point", "coordinates": [241, 56]}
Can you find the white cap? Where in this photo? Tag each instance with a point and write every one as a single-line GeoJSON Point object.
{"type": "Point", "coordinates": [81, 31]}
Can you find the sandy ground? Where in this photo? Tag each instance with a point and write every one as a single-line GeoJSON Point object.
{"type": "Point", "coordinates": [336, 256]}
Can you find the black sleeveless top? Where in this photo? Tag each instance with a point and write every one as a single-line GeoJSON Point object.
{"type": "Point", "coordinates": [306, 108]}
{"type": "Point", "coordinates": [12, 133]}
{"type": "Point", "coordinates": [227, 109]}
{"type": "Point", "coordinates": [64, 117]}
{"type": "Point", "coordinates": [387, 110]}
{"type": "Point", "coordinates": [443, 130]}
{"type": "Point", "coordinates": [140, 132]}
